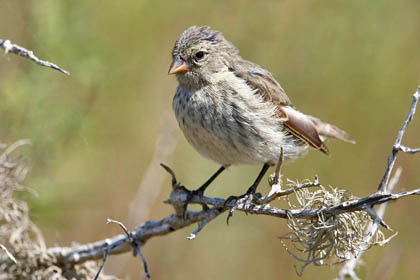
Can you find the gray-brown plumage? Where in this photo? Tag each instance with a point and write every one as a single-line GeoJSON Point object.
{"type": "Point", "coordinates": [233, 111]}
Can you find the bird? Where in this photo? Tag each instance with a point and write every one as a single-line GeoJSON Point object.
{"type": "Point", "coordinates": [233, 111]}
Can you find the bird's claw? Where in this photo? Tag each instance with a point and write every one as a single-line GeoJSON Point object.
{"type": "Point", "coordinates": [244, 201]}
{"type": "Point", "coordinates": [190, 195]}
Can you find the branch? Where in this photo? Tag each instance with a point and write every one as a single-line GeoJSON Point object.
{"type": "Point", "coordinates": [134, 246]}
{"type": "Point", "coordinates": [12, 48]}
{"type": "Point", "coordinates": [174, 222]}
{"type": "Point", "coordinates": [94, 251]}
{"type": "Point", "coordinates": [397, 145]}
{"type": "Point", "coordinates": [408, 150]}
{"type": "Point", "coordinates": [9, 255]}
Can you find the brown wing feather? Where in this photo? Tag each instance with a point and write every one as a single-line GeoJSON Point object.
{"type": "Point", "coordinates": [328, 130]}
{"type": "Point", "coordinates": [297, 123]}
{"type": "Point", "coordinates": [302, 127]}
{"type": "Point", "coordinates": [262, 80]}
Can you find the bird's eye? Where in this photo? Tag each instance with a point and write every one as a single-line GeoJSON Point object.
{"type": "Point", "coordinates": [199, 55]}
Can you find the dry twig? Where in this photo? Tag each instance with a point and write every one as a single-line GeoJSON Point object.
{"type": "Point", "coordinates": [12, 48]}
{"type": "Point", "coordinates": [81, 253]}
{"type": "Point", "coordinates": [135, 246]}
{"type": "Point", "coordinates": [397, 145]}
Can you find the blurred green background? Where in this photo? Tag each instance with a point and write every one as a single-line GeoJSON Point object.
{"type": "Point", "coordinates": [352, 63]}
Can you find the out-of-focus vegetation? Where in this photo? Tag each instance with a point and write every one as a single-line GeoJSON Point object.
{"type": "Point", "coordinates": [353, 63]}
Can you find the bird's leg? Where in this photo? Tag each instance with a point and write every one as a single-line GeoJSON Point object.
{"type": "Point", "coordinates": [200, 190]}
{"type": "Point", "coordinates": [246, 198]}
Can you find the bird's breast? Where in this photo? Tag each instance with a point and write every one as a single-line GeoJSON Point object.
{"type": "Point", "coordinates": [228, 123]}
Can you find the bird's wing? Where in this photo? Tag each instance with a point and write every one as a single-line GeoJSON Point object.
{"type": "Point", "coordinates": [327, 130]}
{"type": "Point", "coordinates": [261, 80]}
{"type": "Point", "coordinates": [304, 128]}
{"type": "Point", "coordinates": [299, 124]}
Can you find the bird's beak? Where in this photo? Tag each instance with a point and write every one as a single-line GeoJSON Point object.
{"type": "Point", "coordinates": [178, 66]}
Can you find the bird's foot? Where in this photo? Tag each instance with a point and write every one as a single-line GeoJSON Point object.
{"type": "Point", "coordinates": [244, 201]}
{"type": "Point", "coordinates": [190, 195]}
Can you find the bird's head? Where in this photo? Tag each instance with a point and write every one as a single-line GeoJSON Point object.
{"type": "Point", "coordinates": [198, 53]}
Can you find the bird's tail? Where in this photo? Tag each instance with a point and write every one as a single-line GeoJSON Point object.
{"type": "Point", "coordinates": [326, 130]}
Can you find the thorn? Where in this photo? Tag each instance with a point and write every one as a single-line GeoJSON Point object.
{"type": "Point", "coordinates": [169, 170]}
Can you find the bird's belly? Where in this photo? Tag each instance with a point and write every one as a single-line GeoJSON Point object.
{"type": "Point", "coordinates": [219, 147]}
{"type": "Point", "coordinates": [232, 131]}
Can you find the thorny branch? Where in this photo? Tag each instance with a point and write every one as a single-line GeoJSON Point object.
{"type": "Point", "coordinates": [134, 245]}
{"type": "Point", "coordinates": [397, 145]}
{"type": "Point", "coordinates": [12, 48]}
{"type": "Point", "coordinates": [120, 243]}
